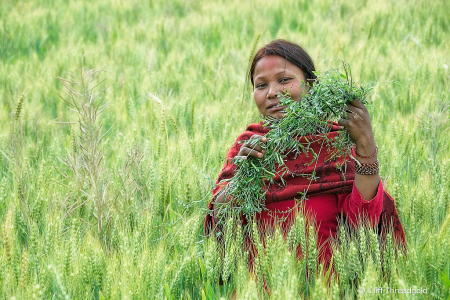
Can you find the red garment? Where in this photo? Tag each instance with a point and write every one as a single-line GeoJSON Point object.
{"type": "Point", "coordinates": [328, 196]}
{"type": "Point", "coordinates": [325, 211]}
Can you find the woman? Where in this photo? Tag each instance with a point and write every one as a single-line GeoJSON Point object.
{"type": "Point", "coordinates": [283, 66]}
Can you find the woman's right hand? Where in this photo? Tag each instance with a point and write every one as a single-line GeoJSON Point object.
{"type": "Point", "coordinates": [252, 148]}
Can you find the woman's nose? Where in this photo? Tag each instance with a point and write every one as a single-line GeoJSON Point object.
{"type": "Point", "coordinates": [274, 91]}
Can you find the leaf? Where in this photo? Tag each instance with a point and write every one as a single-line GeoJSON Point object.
{"type": "Point", "coordinates": [202, 268]}
{"type": "Point", "coordinates": [100, 295]}
{"type": "Point", "coordinates": [203, 295]}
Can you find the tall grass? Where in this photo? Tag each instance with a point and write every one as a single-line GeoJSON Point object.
{"type": "Point", "coordinates": [160, 158]}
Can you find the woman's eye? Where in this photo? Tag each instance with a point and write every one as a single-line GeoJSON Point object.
{"type": "Point", "coordinates": [283, 80]}
{"type": "Point", "coordinates": [260, 86]}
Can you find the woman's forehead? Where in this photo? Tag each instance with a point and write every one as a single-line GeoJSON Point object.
{"type": "Point", "coordinates": [272, 65]}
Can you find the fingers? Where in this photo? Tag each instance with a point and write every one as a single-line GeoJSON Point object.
{"type": "Point", "coordinates": [354, 110]}
{"type": "Point", "coordinates": [349, 117]}
{"type": "Point", "coordinates": [254, 143]}
{"type": "Point", "coordinates": [258, 137]}
{"type": "Point", "coordinates": [356, 121]}
{"type": "Point", "coordinates": [253, 139]}
{"type": "Point", "coordinates": [357, 103]}
{"type": "Point", "coordinates": [343, 122]}
{"type": "Point", "coordinates": [352, 113]}
{"type": "Point", "coordinates": [252, 147]}
{"type": "Point", "coordinates": [246, 151]}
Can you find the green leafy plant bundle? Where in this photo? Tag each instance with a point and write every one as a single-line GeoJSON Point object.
{"type": "Point", "coordinates": [325, 101]}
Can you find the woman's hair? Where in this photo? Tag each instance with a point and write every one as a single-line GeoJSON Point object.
{"type": "Point", "coordinates": [293, 53]}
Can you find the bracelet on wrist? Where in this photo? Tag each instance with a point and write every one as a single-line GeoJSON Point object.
{"type": "Point", "coordinates": [367, 168]}
{"type": "Point", "coordinates": [367, 156]}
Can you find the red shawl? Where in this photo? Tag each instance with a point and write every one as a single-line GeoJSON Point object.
{"type": "Point", "coordinates": [329, 179]}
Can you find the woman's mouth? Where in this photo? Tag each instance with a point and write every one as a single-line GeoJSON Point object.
{"type": "Point", "coordinates": [276, 108]}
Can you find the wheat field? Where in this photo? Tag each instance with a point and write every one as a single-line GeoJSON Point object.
{"type": "Point", "coordinates": [105, 197]}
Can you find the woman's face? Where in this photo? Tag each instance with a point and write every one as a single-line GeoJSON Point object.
{"type": "Point", "coordinates": [272, 76]}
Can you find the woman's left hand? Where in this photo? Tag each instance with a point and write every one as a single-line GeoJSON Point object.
{"type": "Point", "coordinates": [357, 123]}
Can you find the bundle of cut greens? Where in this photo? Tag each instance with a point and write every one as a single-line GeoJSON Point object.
{"type": "Point", "coordinates": [326, 101]}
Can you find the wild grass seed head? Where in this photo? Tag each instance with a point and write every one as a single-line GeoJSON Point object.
{"type": "Point", "coordinates": [8, 237]}
{"type": "Point", "coordinates": [19, 106]}
{"type": "Point", "coordinates": [311, 251]}
{"type": "Point", "coordinates": [375, 249]}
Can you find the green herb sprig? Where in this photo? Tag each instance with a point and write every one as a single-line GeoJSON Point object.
{"type": "Point", "coordinates": [326, 101]}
